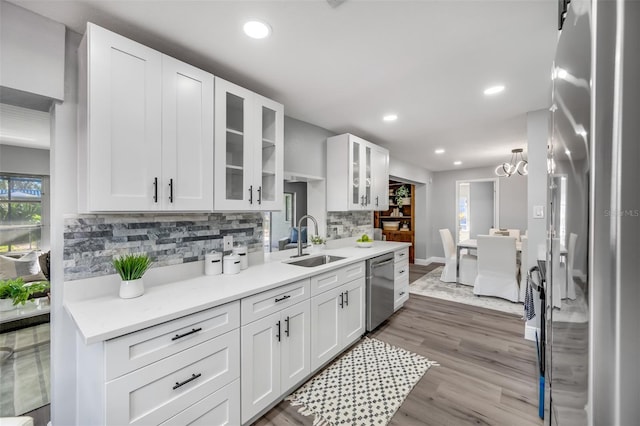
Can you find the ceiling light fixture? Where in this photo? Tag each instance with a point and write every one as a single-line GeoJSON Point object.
{"type": "Point", "coordinates": [509, 169]}
{"type": "Point", "coordinates": [256, 29]}
{"type": "Point", "coordinates": [493, 90]}
{"type": "Point", "coordinates": [457, 163]}
{"type": "Point", "coordinates": [567, 152]}
{"type": "Point", "coordinates": [439, 151]}
{"type": "Point", "coordinates": [390, 117]}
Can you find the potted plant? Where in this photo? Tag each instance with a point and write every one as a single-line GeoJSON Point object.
{"type": "Point", "coordinates": [317, 242]}
{"type": "Point", "coordinates": [401, 194]}
{"type": "Point", "coordinates": [14, 292]}
{"type": "Point", "coordinates": [131, 268]}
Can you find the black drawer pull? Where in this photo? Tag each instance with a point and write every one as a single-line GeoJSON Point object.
{"type": "Point", "coordinates": [341, 300]}
{"type": "Point", "coordinates": [190, 379]}
{"type": "Point", "coordinates": [278, 335]}
{"type": "Point", "coordinates": [346, 298]}
{"type": "Point", "coordinates": [180, 336]}
{"type": "Point", "coordinates": [402, 254]}
{"type": "Point", "coordinates": [402, 272]}
{"type": "Point", "coordinates": [283, 298]}
{"type": "Point", "coordinates": [402, 293]}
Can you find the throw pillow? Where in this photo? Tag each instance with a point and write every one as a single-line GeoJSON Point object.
{"type": "Point", "coordinates": [27, 267]}
{"type": "Point", "coordinates": [45, 261]}
{"type": "Point", "coordinates": [294, 234]}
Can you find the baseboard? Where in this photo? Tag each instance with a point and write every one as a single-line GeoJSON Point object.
{"type": "Point", "coordinates": [530, 332]}
{"type": "Point", "coordinates": [425, 262]}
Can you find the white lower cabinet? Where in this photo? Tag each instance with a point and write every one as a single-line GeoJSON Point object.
{"type": "Point", "coordinates": [337, 320]}
{"type": "Point", "coordinates": [275, 356]}
{"type": "Point", "coordinates": [401, 278]}
{"type": "Point", "coordinates": [184, 371]}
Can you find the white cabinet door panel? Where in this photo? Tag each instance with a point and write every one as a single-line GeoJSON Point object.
{"type": "Point", "coordinates": [296, 356]}
{"type": "Point", "coordinates": [353, 313]}
{"type": "Point", "coordinates": [187, 137]}
{"type": "Point", "coordinates": [260, 364]}
{"type": "Point", "coordinates": [124, 131]}
{"type": "Point", "coordinates": [325, 327]}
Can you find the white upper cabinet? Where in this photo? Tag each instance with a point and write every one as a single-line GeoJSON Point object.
{"type": "Point", "coordinates": [249, 140]}
{"type": "Point", "coordinates": [187, 136]}
{"type": "Point", "coordinates": [356, 171]}
{"type": "Point", "coordinates": [146, 128]}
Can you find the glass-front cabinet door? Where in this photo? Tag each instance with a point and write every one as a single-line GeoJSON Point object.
{"type": "Point", "coordinates": [248, 150]}
{"type": "Point", "coordinates": [269, 155]}
{"type": "Point", "coordinates": [355, 200]}
{"type": "Point", "coordinates": [360, 174]}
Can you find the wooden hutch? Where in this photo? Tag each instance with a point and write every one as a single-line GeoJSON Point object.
{"type": "Point", "coordinates": [403, 214]}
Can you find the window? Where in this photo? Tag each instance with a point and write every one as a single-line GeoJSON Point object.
{"type": "Point", "coordinates": [20, 213]}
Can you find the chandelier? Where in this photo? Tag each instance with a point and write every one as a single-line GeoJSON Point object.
{"type": "Point", "coordinates": [515, 165]}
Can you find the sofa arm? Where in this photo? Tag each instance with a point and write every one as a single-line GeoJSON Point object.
{"type": "Point", "coordinates": [282, 243]}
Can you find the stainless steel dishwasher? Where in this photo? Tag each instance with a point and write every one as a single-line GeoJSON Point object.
{"type": "Point", "coordinates": [380, 291]}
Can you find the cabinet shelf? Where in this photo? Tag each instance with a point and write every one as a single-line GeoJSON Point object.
{"type": "Point", "coordinates": [395, 217]}
{"type": "Point", "coordinates": [232, 167]}
{"type": "Point", "coordinates": [268, 143]}
{"type": "Point", "coordinates": [235, 132]}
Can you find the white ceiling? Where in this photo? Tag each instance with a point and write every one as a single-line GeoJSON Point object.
{"type": "Point", "coordinates": [344, 67]}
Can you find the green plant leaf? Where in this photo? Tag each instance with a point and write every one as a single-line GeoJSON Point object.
{"type": "Point", "coordinates": [132, 266]}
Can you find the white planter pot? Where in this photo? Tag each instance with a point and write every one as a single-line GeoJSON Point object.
{"type": "Point", "coordinates": [131, 289]}
{"type": "Point", "coordinates": [6, 305]}
{"type": "Point", "coordinates": [316, 248]}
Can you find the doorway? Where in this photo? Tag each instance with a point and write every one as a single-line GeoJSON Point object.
{"type": "Point", "coordinates": [476, 207]}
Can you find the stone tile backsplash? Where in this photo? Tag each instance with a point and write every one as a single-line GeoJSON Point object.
{"type": "Point", "coordinates": [349, 224]}
{"type": "Point", "coordinates": [91, 241]}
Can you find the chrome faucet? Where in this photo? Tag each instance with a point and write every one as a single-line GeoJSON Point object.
{"type": "Point", "coordinates": [315, 225]}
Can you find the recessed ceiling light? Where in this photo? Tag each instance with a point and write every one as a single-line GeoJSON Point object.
{"type": "Point", "coordinates": [457, 163]}
{"type": "Point", "coordinates": [390, 117]}
{"type": "Point", "coordinates": [256, 29]}
{"type": "Point", "coordinates": [562, 73]}
{"type": "Point", "coordinates": [493, 90]}
{"type": "Point", "coordinates": [439, 151]}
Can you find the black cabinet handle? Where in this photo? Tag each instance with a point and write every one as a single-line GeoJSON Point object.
{"type": "Point", "coordinates": [260, 194]}
{"type": "Point", "coordinates": [190, 379]}
{"type": "Point", "coordinates": [286, 330]}
{"type": "Point", "coordinates": [342, 300]}
{"type": "Point", "coordinates": [346, 298]}
{"type": "Point", "coordinates": [402, 254]}
{"type": "Point", "coordinates": [402, 293]}
{"type": "Point", "coordinates": [278, 335]}
{"type": "Point", "coordinates": [171, 190]}
{"type": "Point", "coordinates": [251, 194]}
{"type": "Point", "coordinates": [180, 336]}
{"type": "Point", "coordinates": [283, 298]}
{"type": "Point", "coordinates": [401, 272]}
{"type": "Point", "coordinates": [155, 190]}
{"type": "Point", "coordinates": [377, 201]}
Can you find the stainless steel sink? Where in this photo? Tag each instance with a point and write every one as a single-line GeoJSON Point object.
{"type": "Point", "coordinates": [310, 262]}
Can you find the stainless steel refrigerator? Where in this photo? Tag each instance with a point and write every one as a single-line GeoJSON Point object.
{"type": "Point", "coordinates": [592, 353]}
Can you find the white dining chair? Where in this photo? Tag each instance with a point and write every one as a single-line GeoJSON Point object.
{"type": "Point", "coordinates": [524, 267]}
{"type": "Point", "coordinates": [468, 263]}
{"type": "Point", "coordinates": [558, 275]}
{"type": "Point", "coordinates": [514, 233]}
{"type": "Point", "coordinates": [497, 268]}
{"type": "Point", "coordinates": [571, 251]}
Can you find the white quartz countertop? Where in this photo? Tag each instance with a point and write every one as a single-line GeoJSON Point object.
{"type": "Point", "coordinates": [109, 316]}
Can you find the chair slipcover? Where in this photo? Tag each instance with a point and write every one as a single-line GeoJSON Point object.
{"type": "Point", "coordinates": [571, 251]}
{"type": "Point", "coordinates": [524, 267]}
{"type": "Point", "coordinates": [468, 263]}
{"type": "Point", "coordinates": [497, 268]}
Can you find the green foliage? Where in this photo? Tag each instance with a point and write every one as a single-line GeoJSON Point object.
{"type": "Point", "coordinates": [19, 291]}
{"type": "Point", "coordinates": [316, 240]}
{"type": "Point", "coordinates": [132, 266]}
{"type": "Point", "coordinates": [402, 192]}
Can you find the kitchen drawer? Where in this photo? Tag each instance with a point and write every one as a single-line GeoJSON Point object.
{"type": "Point", "coordinates": [136, 350]}
{"type": "Point", "coordinates": [401, 254]}
{"type": "Point", "coordinates": [401, 269]}
{"type": "Point", "coordinates": [332, 279]}
{"type": "Point", "coordinates": [220, 408]}
{"type": "Point", "coordinates": [262, 304]}
{"type": "Point", "coordinates": [155, 393]}
{"type": "Point", "coordinates": [401, 292]}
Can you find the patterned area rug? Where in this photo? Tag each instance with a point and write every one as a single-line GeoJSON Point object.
{"type": "Point", "coordinates": [25, 374]}
{"type": "Point", "coordinates": [364, 387]}
{"type": "Point", "coordinates": [575, 311]}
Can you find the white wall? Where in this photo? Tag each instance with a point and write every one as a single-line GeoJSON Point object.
{"type": "Point", "coordinates": [32, 47]}
{"type": "Point", "coordinates": [63, 201]}
{"type": "Point", "coordinates": [512, 202]}
{"type": "Point", "coordinates": [305, 148]}
{"type": "Point", "coordinates": [480, 208]}
{"type": "Point", "coordinates": [18, 159]}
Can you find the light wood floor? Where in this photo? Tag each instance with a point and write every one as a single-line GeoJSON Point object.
{"type": "Point", "coordinates": [487, 373]}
